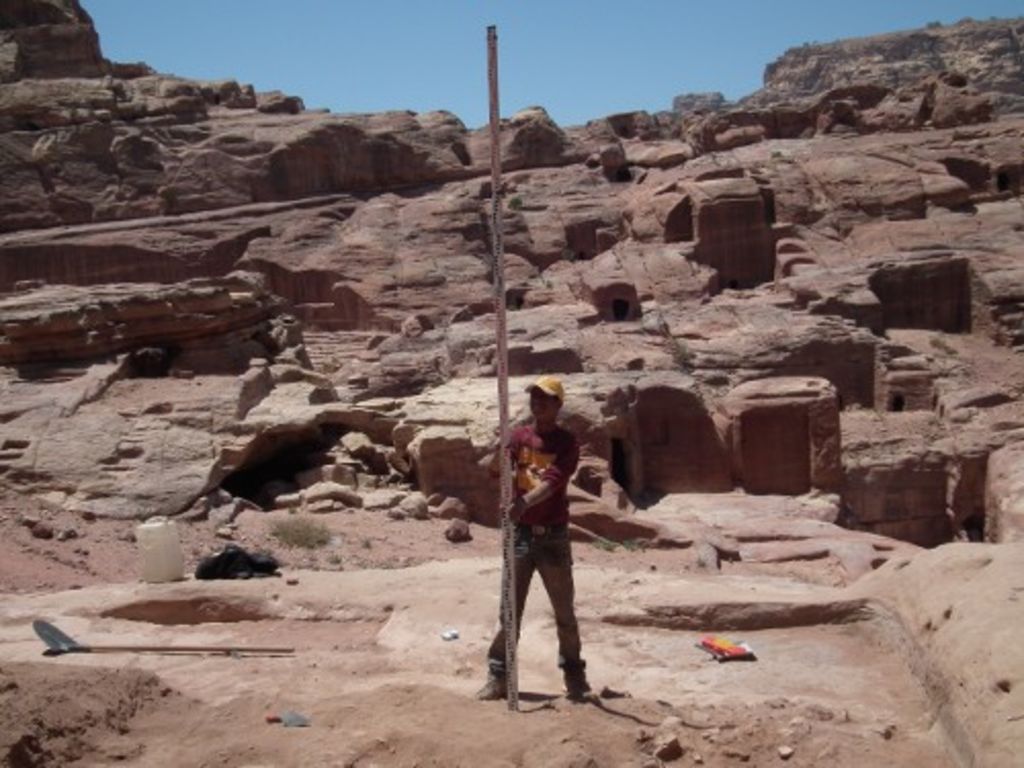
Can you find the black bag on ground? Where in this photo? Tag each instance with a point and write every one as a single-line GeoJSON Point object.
{"type": "Point", "coordinates": [233, 562]}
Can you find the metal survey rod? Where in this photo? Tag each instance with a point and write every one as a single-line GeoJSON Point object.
{"type": "Point", "coordinates": [508, 574]}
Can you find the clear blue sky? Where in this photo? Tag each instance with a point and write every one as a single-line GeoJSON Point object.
{"type": "Point", "coordinates": [580, 59]}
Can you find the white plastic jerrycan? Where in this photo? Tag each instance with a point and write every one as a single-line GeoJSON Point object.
{"type": "Point", "coordinates": [160, 548]}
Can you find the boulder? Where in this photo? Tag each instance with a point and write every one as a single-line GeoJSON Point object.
{"type": "Point", "coordinates": [275, 102]}
{"type": "Point", "coordinates": [415, 506]}
{"type": "Point", "coordinates": [329, 491]}
{"type": "Point", "coordinates": [458, 532]}
{"type": "Point", "coordinates": [362, 448]}
{"type": "Point", "coordinates": [452, 509]}
{"type": "Point", "coordinates": [529, 139]}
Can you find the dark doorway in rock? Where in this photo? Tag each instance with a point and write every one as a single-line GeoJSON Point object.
{"type": "Point", "coordinates": [733, 285]}
{"type": "Point", "coordinates": [623, 174]}
{"type": "Point", "coordinates": [974, 528]}
{"type": "Point", "coordinates": [1003, 182]}
{"type": "Point", "coordinates": [679, 223]}
{"type": "Point", "coordinates": [150, 362]}
{"type": "Point", "coordinates": [768, 198]}
{"type": "Point", "coordinates": [460, 151]}
{"type": "Point", "coordinates": [273, 469]}
{"type": "Point", "coordinates": [932, 294]}
{"type": "Point", "coordinates": [620, 309]}
{"type": "Point", "coordinates": [897, 403]}
{"type": "Point", "coordinates": [620, 466]}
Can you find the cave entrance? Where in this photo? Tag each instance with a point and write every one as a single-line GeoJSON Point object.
{"type": "Point", "coordinates": [974, 528]}
{"type": "Point", "coordinates": [620, 309]}
{"type": "Point", "coordinates": [274, 463]}
{"type": "Point", "coordinates": [151, 362]}
{"type": "Point", "coordinates": [897, 403]}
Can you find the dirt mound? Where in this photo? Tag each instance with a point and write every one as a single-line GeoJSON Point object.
{"type": "Point", "coordinates": [55, 715]}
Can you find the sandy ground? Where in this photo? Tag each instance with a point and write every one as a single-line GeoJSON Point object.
{"type": "Point", "coordinates": [104, 551]}
{"type": "Point", "coordinates": [383, 688]}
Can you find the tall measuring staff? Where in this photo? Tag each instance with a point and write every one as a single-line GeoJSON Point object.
{"type": "Point", "coordinates": [508, 577]}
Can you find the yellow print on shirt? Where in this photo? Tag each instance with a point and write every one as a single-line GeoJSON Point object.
{"type": "Point", "coordinates": [530, 467]}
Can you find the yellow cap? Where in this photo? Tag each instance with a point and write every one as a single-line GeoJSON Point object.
{"type": "Point", "coordinates": [549, 385]}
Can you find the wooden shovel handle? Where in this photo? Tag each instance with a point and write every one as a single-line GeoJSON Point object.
{"type": "Point", "coordinates": [186, 649]}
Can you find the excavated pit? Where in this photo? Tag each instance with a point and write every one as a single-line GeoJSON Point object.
{"type": "Point", "coordinates": [743, 617]}
{"type": "Point", "coordinates": [189, 611]}
{"type": "Point", "coordinates": [56, 716]}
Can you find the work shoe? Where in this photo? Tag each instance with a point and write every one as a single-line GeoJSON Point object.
{"type": "Point", "coordinates": [494, 689]}
{"type": "Point", "coordinates": [576, 685]}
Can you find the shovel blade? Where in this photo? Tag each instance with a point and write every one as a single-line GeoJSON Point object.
{"type": "Point", "coordinates": [56, 641]}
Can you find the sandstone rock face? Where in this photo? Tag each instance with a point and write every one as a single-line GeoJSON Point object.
{"type": "Point", "coordinates": [984, 51]}
{"type": "Point", "coordinates": [900, 490]}
{"type": "Point", "coordinates": [652, 454]}
{"type": "Point", "coordinates": [939, 599]}
{"type": "Point", "coordinates": [719, 286]}
{"type": "Point", "coordinates": [621, 427]}
{"type": "Point", "coordinates": [784, 435]}
{"type": "Point", "coordinates": [529, 138]}
{"type": "Point", "coordinates": [1004, 494]}
{"type": "Point", "coordinates": [736, 340]}
{"type": "Point", "coordinates": [48, 39]}
{"type": "Point", "coordinates": [939, 100]}
{"type": "Point", "coordinates": [148, 380]}
{"type": "Point", "coordinates": [698, 102]}
{"type": "Point", "coordinates": [732, 232]}
{"type": "Point", "coordinates": [789, 333]}
{"type": "Point", "coordinates": [65, 323]}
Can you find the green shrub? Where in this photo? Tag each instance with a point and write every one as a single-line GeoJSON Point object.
{"type": "Point", "coordinates": [301, 532]}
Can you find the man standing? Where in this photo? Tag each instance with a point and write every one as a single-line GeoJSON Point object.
{"type": "Point", "coordinates": [544, 457]}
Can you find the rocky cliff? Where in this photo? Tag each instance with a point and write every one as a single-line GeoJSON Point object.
{"type": "Point", "coordinates": [790, 334]}
{"type": "Point", "coordinates": [988, 53]}
{"type": "Point", "coordinates": [681, 258]}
